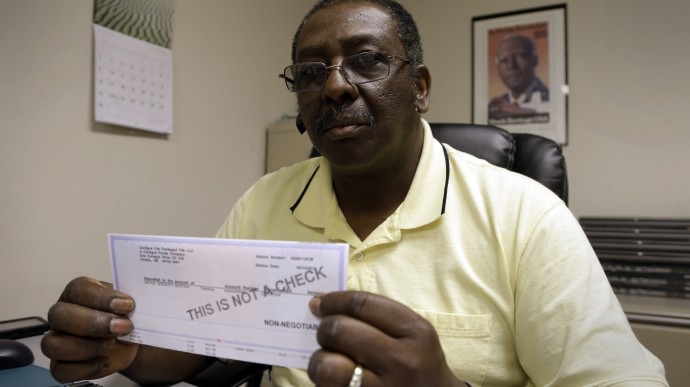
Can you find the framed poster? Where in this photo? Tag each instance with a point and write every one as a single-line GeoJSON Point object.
{"type": "Point", "coordinates": [519, 62]}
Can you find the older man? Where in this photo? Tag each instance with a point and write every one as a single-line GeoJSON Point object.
{"type": "Point", "coordinates": [516, 61]}
{"type": "Point", "coordinates": [459, 272]}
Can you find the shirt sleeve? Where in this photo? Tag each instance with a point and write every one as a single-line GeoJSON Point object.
{"type": "Point", "coordinates": [231, 225]}
{"type": "Point", "coordinates": [570, 328]}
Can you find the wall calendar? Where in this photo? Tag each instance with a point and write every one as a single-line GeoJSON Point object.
{"type": "Point", "coordinates": [133, 78]}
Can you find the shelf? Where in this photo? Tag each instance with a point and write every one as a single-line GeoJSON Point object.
{"type": "Point", "coordinates": [656, 310]}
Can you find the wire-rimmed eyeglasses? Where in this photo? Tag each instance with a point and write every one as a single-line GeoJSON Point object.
{"type": "Point", "coordinates": [364, 67]}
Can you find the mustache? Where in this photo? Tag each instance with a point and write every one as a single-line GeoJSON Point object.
{"type": "Point", "coordinates": [343, 112]}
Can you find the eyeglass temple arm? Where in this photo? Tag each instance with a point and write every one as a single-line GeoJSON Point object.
{"type": "Point", "coordinates": [286, 78]}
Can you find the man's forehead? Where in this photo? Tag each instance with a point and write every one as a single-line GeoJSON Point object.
{"type": "Point", "coordinates": [514, 43]}
{"type": "Point", "coordinates": [349, 24]}
{"type": "Point", "coordinates": [354, 41]}
{"type": "Point", "coordinates": [353, 10]}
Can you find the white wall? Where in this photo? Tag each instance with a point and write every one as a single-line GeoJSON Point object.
{"type": "Point", "coordinates": [66, 181]}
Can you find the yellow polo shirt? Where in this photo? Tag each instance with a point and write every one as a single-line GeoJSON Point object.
{"type": "Point", "coordinates": [492, 259]}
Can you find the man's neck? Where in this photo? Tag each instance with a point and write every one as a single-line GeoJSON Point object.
{"type": "Point", "coordinates": [367, 200]}
{"type": "Point", "coordinates": [518, 96]}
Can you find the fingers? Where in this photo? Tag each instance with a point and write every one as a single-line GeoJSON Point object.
{"type": "Point", "coordinates": [64, 347]}
{"type": "Point", "coordinates": [98, 295]}
{"type": "Point", "coordinates": [390, 317]}
{"type": "Point", "coordinates": [82, 321]}
{"type": "Point", "coordinates": [91, 308]}
{"type": "Point", "coordinates": [70, 372]}
{"type": "Point", "coordinates": [84, 324]}
{"type": "Point", "coordinates": [327, 368]}
{"type": "Point", "coordinates": [332, 369]}
{"type": "Point", "coordinates": [81, 343]}
{"type": "Point", "coordinates": [363, 343]}
{"type": "Point", "coordinates": [114, 359]}
{"type": "Point", "coordinates": [394, 345]}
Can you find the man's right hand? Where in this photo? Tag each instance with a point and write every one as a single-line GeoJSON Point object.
{"type": "Point", "coordinates": [85, 323]}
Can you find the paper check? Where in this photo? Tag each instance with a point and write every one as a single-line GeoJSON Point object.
{"type": "Point", "coordinates": [237, 299]}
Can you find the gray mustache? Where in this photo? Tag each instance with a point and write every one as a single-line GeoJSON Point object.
{"type": "Point", "coordinates": [343, 113]}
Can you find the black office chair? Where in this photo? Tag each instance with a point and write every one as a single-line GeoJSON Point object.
{"type": "Point", "coordinates": [528, 154]}
{"type": "Point", "coordinates": [534, 156]}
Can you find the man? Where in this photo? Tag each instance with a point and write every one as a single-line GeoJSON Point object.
{"type": "Point", "coordinates": [516, 60]}
{"type": "Point", "coordinates": [459, 272]}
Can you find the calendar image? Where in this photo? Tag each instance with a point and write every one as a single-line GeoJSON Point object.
{"type": "Point", "coordinates": [133, 75]}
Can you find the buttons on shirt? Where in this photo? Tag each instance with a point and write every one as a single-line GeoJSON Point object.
{"type": "Point", "coordinates": [359, 256]}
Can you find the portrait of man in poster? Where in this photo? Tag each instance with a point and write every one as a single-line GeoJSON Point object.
{"type": "Point", "coordinates": [518, 74]}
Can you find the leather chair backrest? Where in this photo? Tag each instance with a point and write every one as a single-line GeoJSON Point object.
{"type": "Point", "coordinates": [494, 146]}
{"type": "Point", "coordinates": [531, 155]}
{"type": "Point", "coordinates": [541, 159]}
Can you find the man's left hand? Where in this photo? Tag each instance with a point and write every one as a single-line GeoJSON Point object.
{"type": "Point", "coordinates": [392, 344]}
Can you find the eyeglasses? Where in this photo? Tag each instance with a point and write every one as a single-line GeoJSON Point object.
{"type": "Point", "coordinates": [360, 68]}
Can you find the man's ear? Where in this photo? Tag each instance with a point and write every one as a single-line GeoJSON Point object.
{"type": "Point", "coordinates": [300, 124]}
{"type": "Point", "coordinates": [423, 88]}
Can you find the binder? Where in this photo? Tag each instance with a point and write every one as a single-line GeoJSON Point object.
{"type": "Point", "coordinates": [643, 256]}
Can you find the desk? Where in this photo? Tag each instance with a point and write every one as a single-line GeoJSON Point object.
{"type": "Point", "coordinates": [115, 380]}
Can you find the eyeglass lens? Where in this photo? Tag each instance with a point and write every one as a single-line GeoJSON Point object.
{"type": "Point", "coordinates": [359, 68]}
